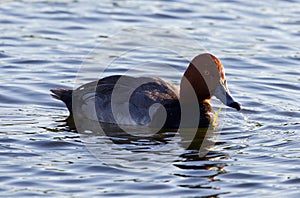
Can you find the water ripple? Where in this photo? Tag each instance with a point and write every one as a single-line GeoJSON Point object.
{"type": "Point", "coordinates": [43, 44]}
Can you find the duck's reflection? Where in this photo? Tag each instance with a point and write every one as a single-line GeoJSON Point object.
{"type": "Point", "coordinates": [188, 152]}
{"type": "Point", "coordinates": [194, 143]}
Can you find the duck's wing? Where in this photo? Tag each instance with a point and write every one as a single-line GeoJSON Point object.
{"type": "Point", "coordinates": [154, 103]}
{"type": "Point", "coordinates": [132, 100]}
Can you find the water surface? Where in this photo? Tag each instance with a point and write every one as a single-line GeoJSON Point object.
{"type": "Point", "coordinates": [49, 44]}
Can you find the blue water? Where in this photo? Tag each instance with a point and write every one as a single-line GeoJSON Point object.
{"type": "Point", "coordinates": [50, 44]}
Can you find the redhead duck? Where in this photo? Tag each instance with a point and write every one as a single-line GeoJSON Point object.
{"type": "Point", "coordinates": [149, 101]}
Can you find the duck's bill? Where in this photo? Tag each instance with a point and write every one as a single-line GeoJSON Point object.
{"type": "Point", "coordinates": [223, 94]}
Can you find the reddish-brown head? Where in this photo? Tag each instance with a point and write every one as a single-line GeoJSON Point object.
{"type": "Point", "coordinates": [204, 78]}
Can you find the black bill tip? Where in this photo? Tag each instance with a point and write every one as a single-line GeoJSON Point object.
{"type": "Point", "coordinates": [235, 105]}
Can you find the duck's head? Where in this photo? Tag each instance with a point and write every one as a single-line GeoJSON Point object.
{"type": "Point", "coordinates": [205, 77]}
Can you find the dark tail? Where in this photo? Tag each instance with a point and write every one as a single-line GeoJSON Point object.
{"type": "Point", "coordinates": [64, 95]}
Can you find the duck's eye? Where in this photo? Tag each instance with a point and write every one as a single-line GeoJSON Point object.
{"type": "Point", "coordinates": [206, 72]}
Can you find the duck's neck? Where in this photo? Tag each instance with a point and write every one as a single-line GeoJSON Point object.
{"type": "Point", "coordinates": [193, 86]}
{"type": "Point", "coordinates": [206, 113]}
{"type": "Point", "coordinates": [205, 106]}
{"type": "Point", "coordinates": [201, 110]}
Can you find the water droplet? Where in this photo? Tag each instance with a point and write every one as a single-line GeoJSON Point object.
{"type": "Point", "coordinates": [246, 117]}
